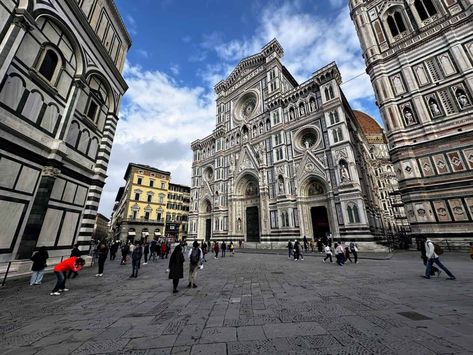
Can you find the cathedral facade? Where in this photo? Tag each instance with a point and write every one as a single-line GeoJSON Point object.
{"type": "Point", "coordinates": [284, 160]}
{"type": "Point", "coordinates": [419, 55]}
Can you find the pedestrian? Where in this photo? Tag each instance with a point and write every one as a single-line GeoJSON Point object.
{"type": "Point", "coordinates": [224, 249]}
{"type": "Point", "coordinates": [76, 252]}
{"type": "Point", "coordinates": [320, 245]}
{"type": "Point", "coordinates": [131, 247]}
{"type": "Point", "coordinates": [195, 262]}
{"type": "Point", "coordinates": [73, 263]}
{"type": "Point", "coordinates": [232, 249]}
{"type": "Point", "coordinates": [290, 248]}
{"type": "Point", "coordinates": [471, 250]}
{"type": "Point", "coordinates": [432, 252]}
{"type": "Point", "coordinates": [311, 245]}
{"type": "Point", "coordinates": [39, 263]}
{"type": "Point", "coordinates": [298, 251]}
{"type": "Point", "coordinates": [93, 251]}
{"type": "Point", "coordinates": [113, 251]}
{"type": "Point", "coordinates": [306, 243]}
{"type": "Point", "coordinates": [176, 267]}
{"type": "Point", "coordinates": [354, 251]}
{"type": "Point", "coordinates": [204, 251]}
{"type": "Point", "coordinates": [146, 252]}
{"type": "Point", "coordinates": [328, 254]}
{"type": "Point", "coordinates": [164, 249]}
{"type": "Point", "coordinates": [339, 254]}
{"type": "Point", "coordinates": [425, 259]}
{"type": "Point", "coordinates": [125, 251]}
{"type": "Point", "coordinates": [216, 249]}
{"type": "Point", "coordinates": [136, 259]}
{"type": "Point", "coordinates": [102, 251]}
{"type": "Point", "coordinates": [168, 248]}
{"type": "Point", "coordinates": [347, 252]}
{"type": "Point", "coordinates": [239, 243]}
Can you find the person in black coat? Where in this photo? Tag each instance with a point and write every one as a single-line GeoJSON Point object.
{"type": "Point", "coordinates": [113, 251]}
{"type": "Point", "coordinates": [39, 263]}
{"type": "Point", "coordinates": [176, 267]}
{"type": "Point", "coordinates": [102, 250]}
{"type": "Point", "coordinates": [136, 259]}
{"type": "Point", "coordinates": [146, 252]}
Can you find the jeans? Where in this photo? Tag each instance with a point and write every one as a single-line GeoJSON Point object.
{"type": "Point", "coordinates": [223, 253]}
{"type": "Point", "coordinates": [61, 281]}
{"type": "Point", "coordinates": [328, 256]}
{"type": "Point", "coordinates": [146, 258]}
{"type": "Point", "coordinates": [430, 262]}
{"type": "Point", "coordinates": [340, 259]}
{"type": "Point", "coordinates": [136, 265]}
{"type": "Point", "coordinates": [355, 254]}
{"type": "Point", "coordinates": [289, 252]}
{"type": "Point", "coordinates": [193, 273]}
{"type": "Point", "coordinates": [36, 277]}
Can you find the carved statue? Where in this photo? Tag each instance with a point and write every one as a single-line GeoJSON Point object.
{"type": "Point", "coordinates": [281, 187]}
{"type": "Point", "coordinates": [344, 175]}
{"type": "Point", "coordinates": [462, 99]}
{"type": "Point", "coordinates": [409, 116]}
{"type": "Point", "coordinates": [312, 105]}
{"type": "Point", "coordinates": [302, 110]}
{"type": "Point", "coordinates": [434, 108]}
{"type": "Point", "coordinates": [291, 114]}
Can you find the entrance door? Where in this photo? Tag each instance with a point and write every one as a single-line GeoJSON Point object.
{"type": "Point", "coordinates": [208, 229]}
{"type": "Point", "coordinates": [320, 225]}
{"type": "Point", "coordinates": [252, 224]}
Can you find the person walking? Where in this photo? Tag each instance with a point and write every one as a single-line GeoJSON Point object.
{"type": "Point", "coordinates": [164, 249]}
{"type": "Point", "coordinates": [339, 254]}
{"type": "Point", "coordinates": [176, 267]}
{"type": "Point", "coordinates": [102, 251]}
{"type": "Point", "coordinates": [216, 249]}
{"type": "Point", "coordinates": [204, 251]}
{"type": "Point", "coordinates": [224, 249]}
{"type": "Point", "coordinates": [328, 254]}
{"type": "Point", "coordinates": [433, 257]}
{"type": "Point", "coordinates": [347, 252]}
{"type": "Point", "coordinates": [125, 251]}
{"type": "Point", "coordinates": [425, 259]}
{"type": "Point", "coordinates": [320, 245]}
{"type": "Point", "coordinates": [471, 250]}
{"type": "Point", "coordinates": [73, 263]}
{"type": "Point", "coordinates": [39, 263]}
{"type": "Point", "coordinates": [311, 245]}
{"type": "Point", "coordinates": [231, 247]}
{"type": "Point", "coordinates": [76, 252]}
{"type": "Point", "coordinates": [146, 252]}
{"type": "Point", "coordinates": [113, 251]}
{"type": "Point", "coordinates": [298, 251]}
{"type": "Point", "coordinates": [290, 248]}
{"type": "Point", "coordinates": [354, 251]}
{"type": "Point", "coordinates": [136, 256]}
{"type": "Point", "coordinates": [306, 243]}
{"type": "Point", "coordinates": [195, 261]}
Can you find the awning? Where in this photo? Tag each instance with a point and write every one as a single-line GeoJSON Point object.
{"type": "Point", "coordinates": [157, 233]}
{"type": "Point", "coordinates": [145, 234]}
{"type": "Point", "coordinates": [131, 233]}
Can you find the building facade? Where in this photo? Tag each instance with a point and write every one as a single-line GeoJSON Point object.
{"type": "Point", "coordinates": [177, 211]}
{"type": "Point", "coordinates": [60, 90]}
{"type": "Point", "coordinates": [419, 55]}
{"type": "Point", "coordinates": [141, 205]}
{"type": "Point", "coordinates": [285, 160]}
{"type": "Point", "coordinates": [101, 227]}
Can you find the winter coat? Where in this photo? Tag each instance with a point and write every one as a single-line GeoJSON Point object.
{"type": "Point", "coordinates": [39, 260]}
{"type": "Point", "coordinates": [176, 265]}
{"type": "Point", "coordinates": [146, 251]}
{"type": "Point", "coordinates": [75, 252]}
{"type": "Point", "coordinates": [137, 253]}
{"type": "Point", "coordinates": [103, 251]}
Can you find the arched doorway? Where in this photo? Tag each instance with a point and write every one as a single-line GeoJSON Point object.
{"type": "Point", "coordinates": [207, 216]}
{"type": "Point", "coordinates": [248, 210]}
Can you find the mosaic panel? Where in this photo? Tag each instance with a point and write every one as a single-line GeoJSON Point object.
{"type": "Point", "coordinates": [426, 166]}
{"type": "Point", "coordinates": [441, 164]}
{"type": "Point", "coordinates": [459, 213]}
{"type": "Point", "coordinates": [441, 211]}
{"type": "Point", "coordinates": [456, 161]}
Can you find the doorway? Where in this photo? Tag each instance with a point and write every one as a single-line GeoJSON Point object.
{"type": "Point", "coordinates": [208, 229]}
{"type": "Point", "coordinates": [252, 224]}
{"type": "Point", "coordinates": [320, 225]}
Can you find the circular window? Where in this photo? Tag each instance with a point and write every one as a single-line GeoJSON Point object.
{"type": "Point", "coordinates": [307, 138]}
{"type": "Point", "coordinates": [208, 173]}
{"type": "Point", "coordinates": [246, 106]}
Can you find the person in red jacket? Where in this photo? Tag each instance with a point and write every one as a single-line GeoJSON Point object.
{"type": "Point", "coordinates": [73, 264]}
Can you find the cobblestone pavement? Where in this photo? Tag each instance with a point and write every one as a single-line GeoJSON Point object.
{"type": "Point", "coordinates": [247, 304]}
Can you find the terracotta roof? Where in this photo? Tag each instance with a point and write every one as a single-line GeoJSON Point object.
{"type": "Point", "coordinates": [367, 123]}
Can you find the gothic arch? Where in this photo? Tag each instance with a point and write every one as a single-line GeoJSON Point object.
{"type": "Point", "coordinates": [110, 100]}
{"type": "Point", "coordinates": [312, 185]}
{"type": "Point", "coordinates": [243, 182]}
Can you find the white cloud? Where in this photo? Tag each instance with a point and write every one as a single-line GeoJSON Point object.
{"type": "Point", "coordinates": [175, 69]}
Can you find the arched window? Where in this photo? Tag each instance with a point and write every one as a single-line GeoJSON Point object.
{"type": "Point", "coordinates": [396, 23]}
{"type": "Point", "coordinates": [49, 64]}
{"type": "Point", "coordinates": [335, 136]}
{"type": "Point", "coordinates": [332, 118]}
{"type": "Point", "coordinates": [268, 125]}
{"type": "Point", "coordinates": [340, 134]}
{"type": "Point", "coordinates": [350, 214]}
{"type": "Point", "coordinates": [337, 119]}
{"type": "Point", "coordinates": [330, 91]}
{"type": "Point", "coordinates": [327, 95]}
{"type": "Point", "coordinates": [356, 215]}
{"type": "Point", "coordinates": [425, 9]}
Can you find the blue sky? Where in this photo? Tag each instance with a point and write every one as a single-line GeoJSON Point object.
{"type": "Point", "coordinates": [182, 48]}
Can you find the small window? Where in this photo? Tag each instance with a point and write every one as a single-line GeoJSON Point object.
{"type": "Point", "coordinates": [151, 183]}
{"type": "Point", "coordinates": [425, 9]}
{"type": "Point", "coordinates": [149, 198]}
{"type": "Point", "coordinates": [163, 185]}
{"type": "Point", "coordinates": [137, 196]}
{"type": "Point", "coordinates": [134, 214]}
{"type": "Point", "coordinates": [146, 216]}
{"type": "Point", "coordinates": [49, 64]}
{"type": "Point", "coordinates": [139, 181]}
{"type": "Point", "coordinates": [92, 110]}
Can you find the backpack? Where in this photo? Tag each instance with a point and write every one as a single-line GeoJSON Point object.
{"type": "Point", "coordinates": [352, 246]}
{"type": "Point", "coordinates": [195, 257]}
{"type": "Point", "coordinates": [437, 249]}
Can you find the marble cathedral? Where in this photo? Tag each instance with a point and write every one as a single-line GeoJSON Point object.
{"type": "Point", "coordinates": [284, 160]}
{"type": "Point", "coordinates": [419, 55]}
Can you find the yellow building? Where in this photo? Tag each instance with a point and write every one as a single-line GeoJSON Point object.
{"type": "Point", "coordinates": [177, 211]}
{"type": "Point", "coordinates": [141, 205]}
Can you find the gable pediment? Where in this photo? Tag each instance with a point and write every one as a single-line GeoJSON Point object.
{"type": "Point", "coordinates": [310, 165]}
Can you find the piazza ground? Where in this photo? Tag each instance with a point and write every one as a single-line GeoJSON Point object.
{"type": "Point", "coordinates": [250, 303]}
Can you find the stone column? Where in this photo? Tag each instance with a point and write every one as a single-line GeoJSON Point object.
{"type": "Point", "coordinates": [38, 212]}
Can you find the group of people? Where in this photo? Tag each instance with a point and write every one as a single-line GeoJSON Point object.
{"type": "Point", "coordinates": [342, 251]}
{"type": "Point", "coordinates": [222, 249]}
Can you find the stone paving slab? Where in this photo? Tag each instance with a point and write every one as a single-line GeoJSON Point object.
{"type": "Point", "coordinates": [247, 304]}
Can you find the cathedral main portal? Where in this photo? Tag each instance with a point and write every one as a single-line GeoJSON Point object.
{"type": "Point", "coordinates": [252, 224]}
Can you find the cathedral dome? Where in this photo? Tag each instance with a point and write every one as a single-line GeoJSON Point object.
{"type": "Point", "coordinates": [368, 124]}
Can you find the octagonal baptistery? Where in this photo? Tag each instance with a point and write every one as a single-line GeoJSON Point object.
{"type": "Point", "coordinates": [282, 160]}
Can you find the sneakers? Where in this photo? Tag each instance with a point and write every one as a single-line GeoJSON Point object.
{"type": "Point", "coordinates": [323, 261]}
{"type": "Point", "coordinates": [145, 263]}
{"type": "Point", "coordinates": [98, 275]}
{"type": "Point", "coordinates": [194, 286]}
{"type": "Point", "coordinates": [189, 285]}
{"type": "Point", "coordinates": [55, 294]}
{"type": "Point", "coordinates": [451, 278]}
{"type": "Point", "coordinates": [175, 291]}
{"type": "Point", "coordinates": [439, 272]}
{"type": "Point", "coordinates": [426, 277]}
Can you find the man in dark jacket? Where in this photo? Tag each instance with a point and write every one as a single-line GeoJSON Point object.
{"type": "Point", "coordinates": [136, 259]}
{"type": "Point", "coordinates": [102, 251]}
{"type": "Point", "coordinates": [39, 263]}
{"type": "Point", "coordinates": [176, 267]}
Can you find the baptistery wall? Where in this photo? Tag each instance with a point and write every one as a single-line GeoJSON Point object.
{"type": "Point", "coordinates": [285, 160]}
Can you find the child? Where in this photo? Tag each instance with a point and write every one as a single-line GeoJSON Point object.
{"type": "Point", "coordinates": [328, 254]}
{"type": "Point", "coordinates": [75, 264]}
